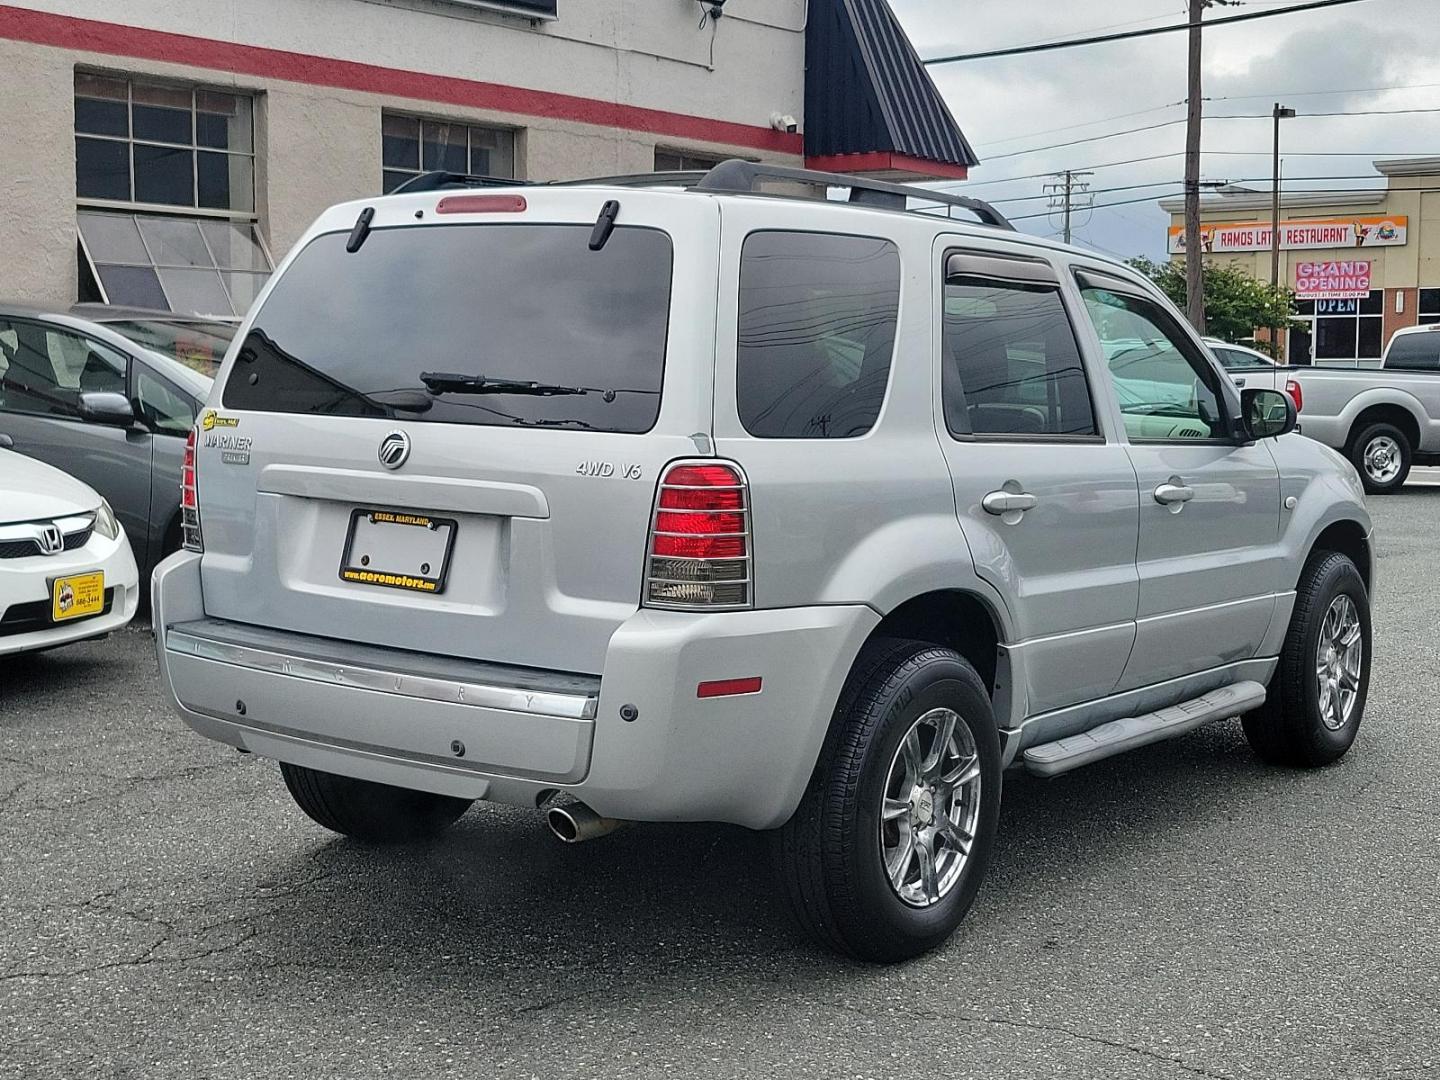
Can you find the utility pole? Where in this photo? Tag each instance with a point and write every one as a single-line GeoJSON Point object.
{"type": "Point", "coordinates": [1194, 256]}
{"type": "Point", "coordinates": [1066, 189]}
{"type": "Point", "coordinates": [1281, 113]}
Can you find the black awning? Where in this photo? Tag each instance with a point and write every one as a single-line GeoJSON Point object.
{"type": "Point", "coordinates": [870, 104]}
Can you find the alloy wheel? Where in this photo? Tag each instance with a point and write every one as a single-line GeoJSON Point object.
{"type": "Point", "coordinates": [1382, 459]}
{"type": "Point", "coordinates": [1339, 656]}
{"type": "Point", "coordinates": [931, 808]}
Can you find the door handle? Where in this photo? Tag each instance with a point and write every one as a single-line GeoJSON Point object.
{"type": "Point", "coordinates": [1239, 382]}
{"type": "Point", "coordinates": [1000, 503]}
{"type": "Point", "coordinates": [1173, 494]}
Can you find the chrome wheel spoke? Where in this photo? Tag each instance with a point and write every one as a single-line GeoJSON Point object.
{"type": "Point", "coordinates": [910, 753]}
{"type": "Point", "coordinates": [1339, 662]}
{"type": "Point", "coordinates": [895, 809]}
{"type": "Point", "coordinates": [966, 770]}
{"type": "Point", "coordinates": [944, 733]}
{"type": "Point", "coordinates": [956, 837]}
{"type": "Point", "coordinates": [925, 855]}
{"type": "Point", "coordinates": [897, 864]}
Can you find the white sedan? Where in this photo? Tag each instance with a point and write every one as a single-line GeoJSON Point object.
{"type": "Point", "coordinates": [66, 570]}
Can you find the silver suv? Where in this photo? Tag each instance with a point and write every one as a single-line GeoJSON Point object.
{"type": "Point", "coordinates": [682, 501]}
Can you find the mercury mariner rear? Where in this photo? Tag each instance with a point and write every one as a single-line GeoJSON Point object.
{"type": "Point", "coordinates": [454, 526]}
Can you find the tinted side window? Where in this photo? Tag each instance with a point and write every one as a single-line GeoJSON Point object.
{"type": "Point", "coordinates": [817, 331]}
{"type": "Point", "coordinates": [44, 371]}
{"type": "Point", "coordinates": [1012, 366]}
{"type": "Point", "coordinates": [165, 408]}
{"type": "Point", "coordinates": [1166, 388]}
{"type": "Point", "coordinates": [1415, 352]}
{"type": "Point", "coordinates": [1235, 360]}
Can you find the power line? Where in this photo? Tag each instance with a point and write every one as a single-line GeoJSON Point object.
{"type": "Point", "coordinates": [1210, 208]}
{"type": "Point", "coordinates": [1220, 116]}
{"type": "Point", "coordinates": [1022, 50]}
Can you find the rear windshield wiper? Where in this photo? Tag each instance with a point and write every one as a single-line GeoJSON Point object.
{"type": "Point", "coordinates": [444, 382]}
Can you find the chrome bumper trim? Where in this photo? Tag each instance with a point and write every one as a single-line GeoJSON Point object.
{"type": "Point", "coordinates": [400, 683]}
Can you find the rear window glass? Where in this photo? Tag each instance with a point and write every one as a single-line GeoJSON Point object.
{"type": "Point", "coordinates": [1415, 352]}
{"type": "Point", "coordinates": [817, 330]}
{"type": "Point", "coordinates": [438, 324]}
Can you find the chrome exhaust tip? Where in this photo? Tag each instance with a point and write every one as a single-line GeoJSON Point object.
{"type": "Point", "coordinates": [574, 823]}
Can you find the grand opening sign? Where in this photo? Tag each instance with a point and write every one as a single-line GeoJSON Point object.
{"type": "Point", "coordinates": [1348, 280]}
{"type": "Point", "coordinates": [1366, 232]}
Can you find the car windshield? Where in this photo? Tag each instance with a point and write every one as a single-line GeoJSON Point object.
{"type": "Point", "coordinates": [466, 324]}
{"type": "Point", "coordinates": [199, 345]}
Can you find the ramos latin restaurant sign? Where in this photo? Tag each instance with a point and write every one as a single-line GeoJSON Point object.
{"type": "Point", "coordinates": [1336, 280]}
{"type": "Point", "coordinates": [1362, 232]}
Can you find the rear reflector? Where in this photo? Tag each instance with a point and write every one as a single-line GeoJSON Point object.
{"type": "Point", "coordinates": [728, 687]}
{"type": "Point", "coordinates": [699, 555]}
{"type": "Point", "coordinates": [482, 204]}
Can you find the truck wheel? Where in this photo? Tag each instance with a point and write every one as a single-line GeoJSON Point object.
{"type": "Point", "coordinates": [1317, 696]}
{"type": "Point", "coordinates": [377, 813]}
{"type": "Point", "coordinates": [1381, 453]}
{"type": "Point", "coordinates": [889, 846]}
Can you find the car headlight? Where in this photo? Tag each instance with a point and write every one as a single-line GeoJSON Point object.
{"type": "Point", "coordinates": [105, 523]}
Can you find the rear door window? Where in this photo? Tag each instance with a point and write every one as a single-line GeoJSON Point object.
{"type": "Point", "coordinates": [818, 314]}
{"type": "Point", "coordinates": [1415, 352]}
{"type": "Point", "coordinates": [467, 324]}
{"type": "Point", "coordinates": [1012, 367]}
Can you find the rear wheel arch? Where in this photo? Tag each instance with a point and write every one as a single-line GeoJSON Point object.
{"type": "Point", "coordinates": [1387, 413]}
{"type": "Point", "coordinates": [955, 619]}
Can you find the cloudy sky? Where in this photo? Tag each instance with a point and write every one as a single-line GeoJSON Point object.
{"type": "Point", "coordinates": [1367, 56]}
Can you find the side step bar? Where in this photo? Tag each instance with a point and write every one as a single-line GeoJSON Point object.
{"type": "Point", "coordinates": [1052, 759]}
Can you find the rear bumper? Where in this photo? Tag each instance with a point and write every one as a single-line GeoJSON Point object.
{"type": "Point", "coordinates": [396, 717]}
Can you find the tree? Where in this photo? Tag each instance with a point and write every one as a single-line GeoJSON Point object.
{"type": "Point", "coordinates": [1236, 304]}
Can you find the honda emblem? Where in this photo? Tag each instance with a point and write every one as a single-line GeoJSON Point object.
{"type": "Point", "coordinates": [52, 540]}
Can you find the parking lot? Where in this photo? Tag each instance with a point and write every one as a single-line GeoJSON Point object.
{"type": "Point", "coordinates": [167, 912]}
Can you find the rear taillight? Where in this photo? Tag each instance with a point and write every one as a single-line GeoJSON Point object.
{"type": "Point", "coordinates": [1296, 394]}
{"type": "Point", "coordinates": [190, 500]}
{"type": "Point", "coordinates": [700, 541]}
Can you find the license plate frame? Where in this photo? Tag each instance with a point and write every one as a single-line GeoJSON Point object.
{"type": "Point", "coordinates": [77, 596]}
{"type": "Point", "coordinates": [353, 572]}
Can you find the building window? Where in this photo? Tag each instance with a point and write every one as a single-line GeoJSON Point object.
{"type": "Point", "coordinates": [1429, 306]}
{"type": "Point", "coordinates": [165, 180]}
{"type": "Point", "coordinates": [683, 161]}
{"type": "Point", "coordinates": [411, 146]}
{"type": "Point", "coordinates": [145, 143]}
{"type": "Point", "coordinates": [1339, 333]}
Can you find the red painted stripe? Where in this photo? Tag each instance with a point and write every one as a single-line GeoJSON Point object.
{"type": "Point", "coordinates": [114, 39]}
{"type": "Point", "coordinates": [881, 160]}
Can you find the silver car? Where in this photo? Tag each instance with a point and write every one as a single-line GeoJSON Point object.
{"type": "Point", "coordinates": [698, 503]}
{"type": "Point", "coordinates": [91, 402]}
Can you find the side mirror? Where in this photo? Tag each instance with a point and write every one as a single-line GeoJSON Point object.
{"type": "Point", "coordinates": [1267, 414]}
{"type": "Point", "coordinates": [106, 407]}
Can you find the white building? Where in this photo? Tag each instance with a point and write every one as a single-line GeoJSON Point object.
{"type": "Point", "coordinates": [165, 154]}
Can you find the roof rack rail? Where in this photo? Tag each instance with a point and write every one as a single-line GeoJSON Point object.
{"type": "Point", "coordinates": [743, 177]}
{"type": "Point", "coordinates": [445, 181]}
{"type": "Point", "coordinates": [687, 179]}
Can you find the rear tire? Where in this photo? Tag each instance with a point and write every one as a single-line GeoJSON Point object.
{"type": "Point", "coordinates": [1309, 718]}
{"type": "Point", "coordinates": [851, 858]}
{"type": "Point", "coordinates": [376, 813]}
{"type": "Point", "coordinates": [1381, 454]}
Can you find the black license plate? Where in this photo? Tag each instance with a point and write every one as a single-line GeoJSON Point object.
{"type": "Point", "coordinates": [398, 549]}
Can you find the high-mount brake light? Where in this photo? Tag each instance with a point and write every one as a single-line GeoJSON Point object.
{"type": "Point", "coordinates": [482, 204]}
{"type": "Point", "coordinates": [190, 537]}
{"type": "Point", "coordinates": [700, 553]}
{"type": "Point", "coordinates": [1297, 395]}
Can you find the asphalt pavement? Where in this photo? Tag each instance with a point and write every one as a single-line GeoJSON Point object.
{"type": "Point", "coordinates": [166, 912]}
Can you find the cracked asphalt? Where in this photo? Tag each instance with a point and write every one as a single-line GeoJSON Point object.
{"type": "Point", "coordinates": [165, 911]}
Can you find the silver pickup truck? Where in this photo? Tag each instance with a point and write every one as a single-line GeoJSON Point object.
{"type": "Point", "coordinates": [1383, 419]}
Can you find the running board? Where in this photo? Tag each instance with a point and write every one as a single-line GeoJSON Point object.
{"type": "Point", "coordinates": [1052, 759]}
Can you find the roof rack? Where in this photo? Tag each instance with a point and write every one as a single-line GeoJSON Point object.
{"type": "Point", "coordinates": [744, 177]}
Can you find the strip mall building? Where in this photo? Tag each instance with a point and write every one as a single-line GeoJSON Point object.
{"type": "Point", "coordinates": [1362, 265]}
{"type": "Point", "coordinates": [166, 154]}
